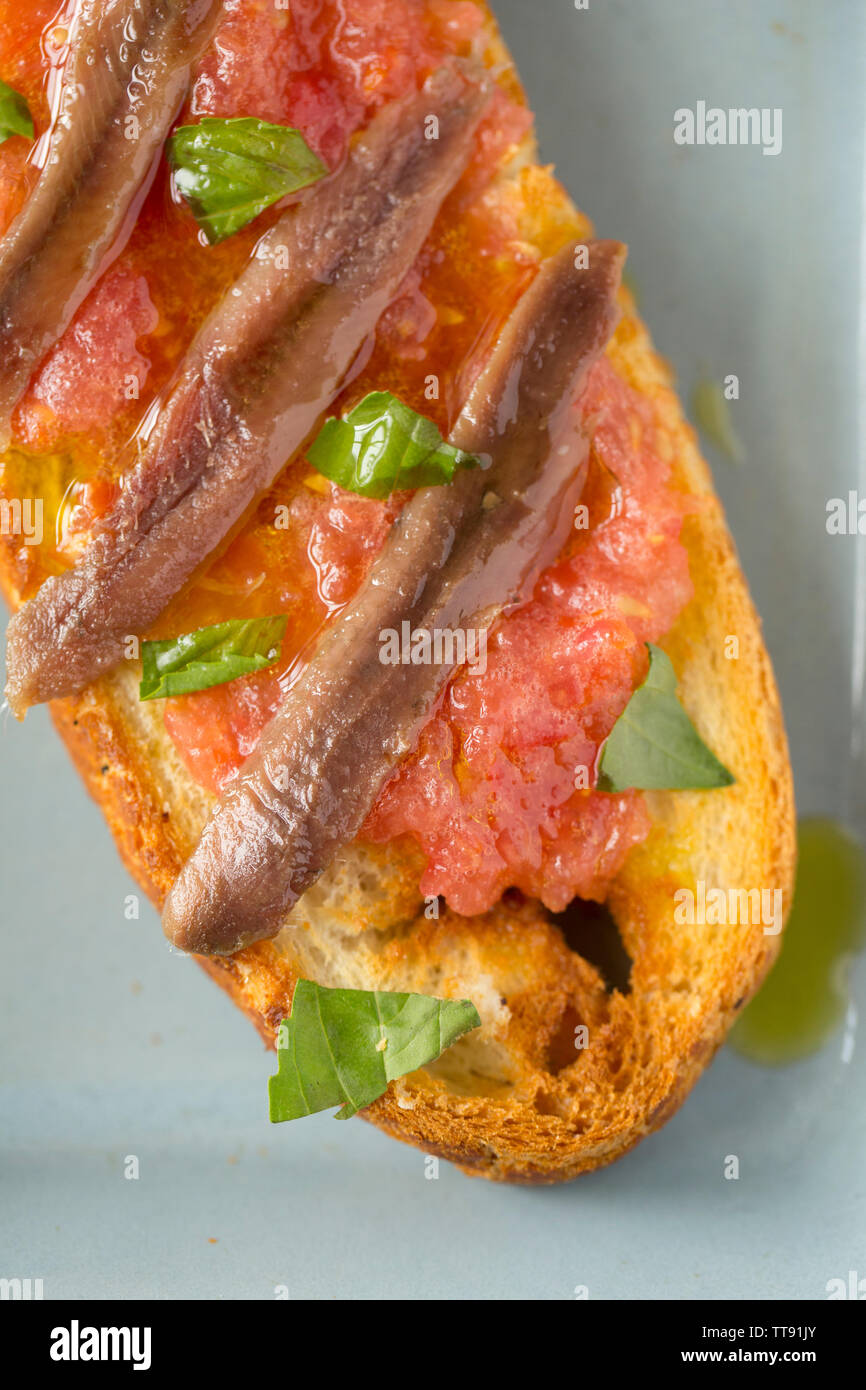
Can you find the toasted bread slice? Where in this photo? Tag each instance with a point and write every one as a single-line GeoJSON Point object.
{"type": "Point", "coordinates": [515, 1100]}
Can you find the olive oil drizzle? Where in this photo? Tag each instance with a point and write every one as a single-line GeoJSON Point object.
{"type": "Point", "coordinates": [805, 997]}
{"type": "Point", "coordinates": [712, 414]}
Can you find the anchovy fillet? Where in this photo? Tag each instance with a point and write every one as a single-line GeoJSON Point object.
{"type": "Point", "coordinates": [126, 78]}
{"type": "Point", "coordinates": [455, 557]}
{"type": "Point", "coordinates": [263, 369]}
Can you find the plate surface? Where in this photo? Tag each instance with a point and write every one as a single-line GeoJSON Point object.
{"type": "Point", "coordinates": [113, 1047]}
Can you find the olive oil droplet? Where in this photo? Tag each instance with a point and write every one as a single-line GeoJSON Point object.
{"type": "Point", "coordinates": [712, 413]}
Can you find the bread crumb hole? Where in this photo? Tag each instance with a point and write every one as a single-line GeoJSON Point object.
{"type": "Point", "coordinates": [591, 932]}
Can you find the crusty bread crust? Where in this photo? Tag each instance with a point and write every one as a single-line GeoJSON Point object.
{"type": "Point", "coordinates": [514, 1100]}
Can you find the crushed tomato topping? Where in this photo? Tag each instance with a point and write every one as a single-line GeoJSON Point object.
{"type": "Point", "coordinates": [498, 792]}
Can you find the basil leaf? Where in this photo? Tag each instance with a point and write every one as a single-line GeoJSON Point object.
{"type": "Point", "coordinates": [383, 445]}
{"type": "Point", "coordinates": [15, 118]}
{"type": "Point", "coordinates": [654, 745]}
{"type": "Point", "coordinates": [331, 1052]}
{"type": "Point", "coordinates": [231, 169]}
{"type": "Point", "coordinates": [209, 656]}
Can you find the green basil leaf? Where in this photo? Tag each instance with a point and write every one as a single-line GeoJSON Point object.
{"type": "Point", "coordinates": [654, 745]}
{"type": "Point", "coordinates": [343, 1046]}
{"type": "Point", "coordinates": [209, 656]}
{"type": "Point", "coordinates": [382, 446]}
{"type": "Point", "coordinates": [231, 169]}
{"type": "Point", "coordinates": [15, 118]}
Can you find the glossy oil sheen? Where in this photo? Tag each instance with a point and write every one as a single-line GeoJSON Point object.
{"type": "Point", "coordinates": [805, 997]}
{"type": "Point", "coordinates": [712, 414]}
